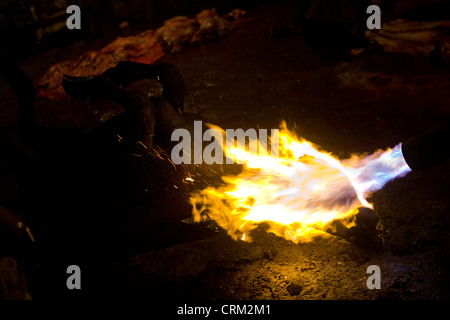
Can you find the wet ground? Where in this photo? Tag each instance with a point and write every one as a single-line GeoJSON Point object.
{"type": "Point", "coordinates": [249, 80]}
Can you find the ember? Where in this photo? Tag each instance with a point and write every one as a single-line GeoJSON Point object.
{"type": "Point", "coordinates": [300, 193]}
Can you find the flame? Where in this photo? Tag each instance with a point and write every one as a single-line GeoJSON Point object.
{"type": "Point", "coordinates": [297, 194]}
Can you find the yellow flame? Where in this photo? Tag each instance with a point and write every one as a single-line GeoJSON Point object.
{"type": "Point", "coordinates": [297, 194]}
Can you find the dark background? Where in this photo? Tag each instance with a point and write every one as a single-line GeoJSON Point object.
{"type": "Point", "coordinates": [268, 70]}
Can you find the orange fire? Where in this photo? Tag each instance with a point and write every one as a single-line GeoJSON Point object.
{"type": "Point", "coordinates": [297, 194]}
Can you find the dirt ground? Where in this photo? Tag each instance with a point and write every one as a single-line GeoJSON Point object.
{"type": "Point", "coordinates": [250, 80]}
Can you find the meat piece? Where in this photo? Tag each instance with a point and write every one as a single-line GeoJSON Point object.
{"type": "Point", "coordinates": [211, 26]}
{"type": "Point", "coordinates": [176, 33]}
{"type": "Point", "coordinates": [147, 47]}
{"type": "Point", "coordinates": [142, 48]}
{"type": "Point", "coordinates": [414, 37]}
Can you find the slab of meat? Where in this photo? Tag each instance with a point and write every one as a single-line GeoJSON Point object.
{"type": "Point", "coordinates": [147, 47]}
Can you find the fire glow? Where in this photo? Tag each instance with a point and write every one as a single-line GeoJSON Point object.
{"type": "Point", "coordinates": [298, 194]}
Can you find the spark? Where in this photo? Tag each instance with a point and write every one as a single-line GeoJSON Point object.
{"type": "Point", "coordinates": [140, 142]}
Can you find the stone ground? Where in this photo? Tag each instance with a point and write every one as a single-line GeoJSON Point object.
{"type": "Point", "coordinates": [355, 106]}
